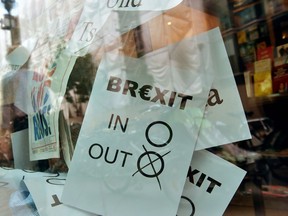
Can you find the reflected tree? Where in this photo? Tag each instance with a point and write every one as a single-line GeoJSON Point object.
{"type": "Point", "coordinates": [80, 82]}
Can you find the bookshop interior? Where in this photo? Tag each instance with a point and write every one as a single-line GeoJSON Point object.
{"type": "Point", "coordinates": [51, 52]}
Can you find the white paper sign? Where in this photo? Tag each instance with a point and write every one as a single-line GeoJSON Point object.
{"type": "Point", "coordinates": [134, 147]}
{"type": "Point", "coordinates": [210, 185]}
{"type": "Point", "coordinates": [225, 120]}
{"type": "Point", "coordinates": [44, 78]}
{"type": "Point", "coordinates": [96, 13]}
{"type": "Point", "coordinates": [14, 197]}
{"type": "Point", "coordinates": [46, 87]}
{"type": "Point", "coordinates": [20, 147]}
{"type": "Point", "coordinates": [92, 19]}
{"type": "Point", "coordinates": [46, 191]}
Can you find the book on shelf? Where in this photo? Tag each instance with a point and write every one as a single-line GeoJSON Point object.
{"type": "Point", "coordinates": [280, 75]}
{"type": "Point", "coordinates": [264, 65]}
{"type": "Point", "coordinates": [263, 77]}
{"type": "Point", "coordinates": [282, 50]}
{"type": "Point", "coordinates": [240, 3]}
{"type": "Point", "coordinates": [265, 53]}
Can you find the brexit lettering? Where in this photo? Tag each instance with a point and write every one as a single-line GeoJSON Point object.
{"type": "Point", "coordinates": [197, 178]}
{"type": "Point", "coordinates": [41, 124]}
{"type": "Point", "coordinates": [147, 92]}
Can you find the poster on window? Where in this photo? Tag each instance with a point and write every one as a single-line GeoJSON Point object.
{"type": "Point", "coordinates": [14, 196]}
{"type": "Point", "coordinates": [47, 86]}
{"type": "Point", "coordinates": [46, 190]}
{"type": "Point", "coordinates": [210, 185]}
{"type": "Point", "coordinates": [134, 141]}
{"type": "Point", "coordinates": [46, 71]}
{"type": "Point", "coordinates": [91, 29]}
{"type": "Point", "coordinates": [224, 120]}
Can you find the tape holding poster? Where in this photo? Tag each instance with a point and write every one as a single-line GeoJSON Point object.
{"type": "Point", "coordinates": [133, 141]}
{"type": "Point", "coordinates": [210, 185]}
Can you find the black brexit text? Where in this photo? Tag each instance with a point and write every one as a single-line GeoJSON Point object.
{"type": "Point", "coordinates": [196, 177]}
{"type": "Point", "coordinates": [148, 93]}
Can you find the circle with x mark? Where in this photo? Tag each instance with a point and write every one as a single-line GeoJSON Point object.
{"type": "Point", "coordinates": [156, 157]}
{"type": "Point", "coordinates": [151, 164]}
{"type": "Point", "coordinates": [150, 155]}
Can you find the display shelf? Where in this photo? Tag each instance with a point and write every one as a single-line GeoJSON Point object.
{"type": "Point", "coordinates": [245, 6]}
{"type": "Point", "coordinates": [277, 14]}
{"type": "Point", "coordinates": [247, 25]}
{"type": "Point", "coordinates": [269, 99]}
{"type": "Point", "coordinates": [253, 23]}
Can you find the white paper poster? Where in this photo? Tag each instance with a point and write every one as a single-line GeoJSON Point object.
{"type": "Point", "coordinates": [225, 120]}
{"type": "Point", "coordinates": [92, 19]}
{"type": "Point", "coordinates": [14, 198]}
{"type": "Point", "coordinates": [96, 13]}
{"type": "Point", "coordinates": [134, 147]}
{"type": "Point", "coordinates": [47, 71]}
{"type": "Point", "coordinates": [45, 90]}
{"type": "Point", "coordinates": [40, 195]}
{"type": "Point", "coordinates": [211, 183]}
{"type": "Point", "coordinates": [20, 147]}
{"type": "Point", "coordinates": [46, 191]}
